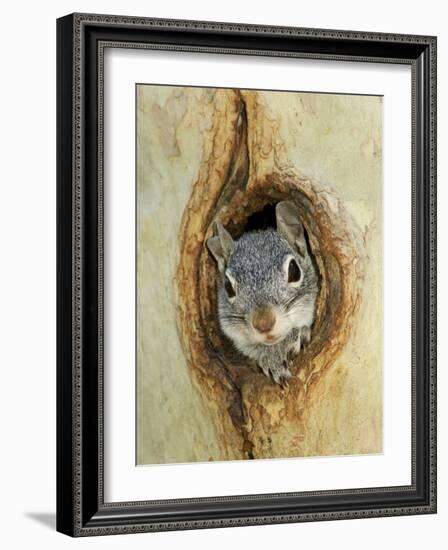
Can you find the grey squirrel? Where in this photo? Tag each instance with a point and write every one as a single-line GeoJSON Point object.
{"type": "Point", "coordinates": [267, 291]}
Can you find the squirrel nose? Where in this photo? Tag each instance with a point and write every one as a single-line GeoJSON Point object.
{"type": "Point", "coordinates": [263, 320]}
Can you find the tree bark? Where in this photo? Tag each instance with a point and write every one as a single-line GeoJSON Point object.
{"type": "Point", "coordinates": [247, 165]}
{"type": "Point", "coordinates": [246, 168]}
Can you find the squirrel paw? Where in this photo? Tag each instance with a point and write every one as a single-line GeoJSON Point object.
{"type": "Point", "coordinates": [305, 336]}
{"type": "Point", "coordinates": [303, 339]}
{"type": "Point", "coordinates": [281, 375]}
{"type": "Point", "coordinates": [265, 369]}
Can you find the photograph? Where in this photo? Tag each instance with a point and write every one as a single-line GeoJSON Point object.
{"type": "Point", "coordinates": [246, 274]}
{"type": "Point", "coordinates": [259, 274]}
{"type": "Point", "coordinates": [223, 234]}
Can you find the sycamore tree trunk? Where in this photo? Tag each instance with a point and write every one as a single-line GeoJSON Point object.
{"type": "Point", "coordinates": [253, 155]}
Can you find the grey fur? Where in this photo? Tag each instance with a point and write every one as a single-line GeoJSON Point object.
{"type": "Point", "coordinates": [256, 267]}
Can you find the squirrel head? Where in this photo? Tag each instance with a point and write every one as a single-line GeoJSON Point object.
{"type": "Point", "coordinates": [267, 283]}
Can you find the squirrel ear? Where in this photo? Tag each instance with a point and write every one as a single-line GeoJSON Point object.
{"type": "Point", "coordinates": [221, 246]}
{"type": "Point", "coordinates": [289, 226]}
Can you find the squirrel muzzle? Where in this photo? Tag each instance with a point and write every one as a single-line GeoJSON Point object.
{"type": "Point", "coordinates": [263, 320]}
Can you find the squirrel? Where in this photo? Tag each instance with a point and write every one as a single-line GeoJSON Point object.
{"type": "Point", "coordinates": [267, 291]}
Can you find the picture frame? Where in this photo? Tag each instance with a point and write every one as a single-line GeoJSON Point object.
{"type": "Point", "coordinates": [81, 506]}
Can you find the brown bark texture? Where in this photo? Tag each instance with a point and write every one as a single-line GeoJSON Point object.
{"type": "Point", "coordinates": [245, 167]}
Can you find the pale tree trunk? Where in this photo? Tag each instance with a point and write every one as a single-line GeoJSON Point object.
{"type": "Point", "coordinates": [251, 157]}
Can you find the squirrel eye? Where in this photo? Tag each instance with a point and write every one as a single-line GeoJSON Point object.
{"type": "Point", "coordinates": [294, 272]}
{"type": "Point", "coordinates": [229, 288]}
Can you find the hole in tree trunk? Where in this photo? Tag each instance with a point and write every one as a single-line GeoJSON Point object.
{"type": "Point", "coordinates": [228, 190]}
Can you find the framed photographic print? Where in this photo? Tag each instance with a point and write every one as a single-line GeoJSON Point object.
{"type": "Point", "coordinates": [246, 274]}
